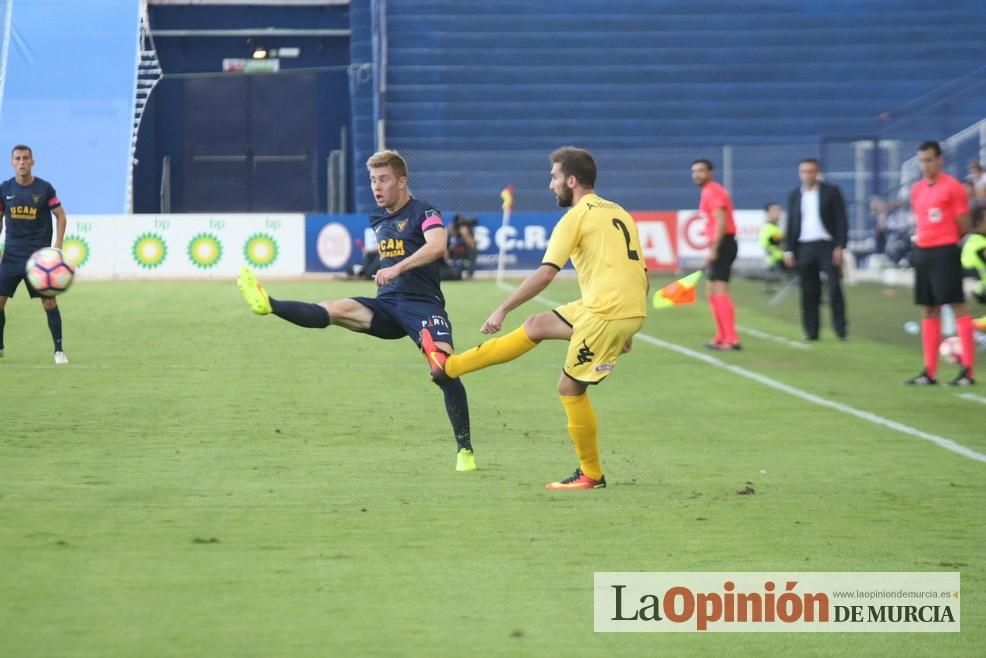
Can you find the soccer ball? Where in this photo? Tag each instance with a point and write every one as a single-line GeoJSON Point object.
{"type": "Point", "coordinates": [951, 349]}
{"type": "Point", "coordinates": [48, 273]}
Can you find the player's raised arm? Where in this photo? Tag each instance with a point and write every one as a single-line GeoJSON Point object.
{"type": "Point", "coordinates": [527, 291]}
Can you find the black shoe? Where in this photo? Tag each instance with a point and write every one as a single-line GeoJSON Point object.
{"type": "Point", "coordinates": [843, 337]}
{"type": "Point", "coordinates": [963, 379]}
{"type": "Point", "coordinates": [812, 338]}
{"type": "Point", "coordinates": [924, 379]}
{"type": "Point", "coordinates": [712, 345]}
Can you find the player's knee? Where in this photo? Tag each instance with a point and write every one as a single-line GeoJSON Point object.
{"type": "Point", "coordinates": [536, 328]}
{"type": "Point", "coordinates": [569, 387]}
{"type": "Point", "coordinates": [341, 309]}
{"type": "Point", "coordinates": [49, 303]}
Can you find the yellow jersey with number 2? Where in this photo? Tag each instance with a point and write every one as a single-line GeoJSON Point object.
{"type": "Point", "coordinates": [601, 239]}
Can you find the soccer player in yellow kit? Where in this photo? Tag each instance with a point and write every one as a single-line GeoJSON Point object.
{"type": "Point", "coordinates": [601, 239]}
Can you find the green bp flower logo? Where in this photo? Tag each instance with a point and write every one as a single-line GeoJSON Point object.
{"type": "Point", "coordinates": [75, 250]}
{"type": "Point", "coordinates": [205, 250]}
{"type": "Point", "coordinates": [260, 250]}
{"type": "Point", "coordinates": [149, 250]}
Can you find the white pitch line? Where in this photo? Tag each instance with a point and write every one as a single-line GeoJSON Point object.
{"type": "Point", "coordinates": [940, 441]}
{"type": "Point", "coordinates": [973, 397]}
{"type": "Point", "coordinates": [756, 333]}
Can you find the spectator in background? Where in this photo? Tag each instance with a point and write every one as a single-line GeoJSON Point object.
{"type": "Point", "coordinates": [976, 175]}
{"type": "Point", "coordinates": [462, 246]}
{"type": "Point", "coordinates": [974, 253]}
{"type": "Point", "coordinates": [771, 237]}
{"type": "Point", "coordinates": [880, 213]}
{"type": "Point", "coordinates": [368, 266]}
{"type": "Point", "coordinates": [817, 232]}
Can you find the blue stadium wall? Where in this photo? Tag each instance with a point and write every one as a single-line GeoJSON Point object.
{"type": "Point", "coordinates": [217, 129]}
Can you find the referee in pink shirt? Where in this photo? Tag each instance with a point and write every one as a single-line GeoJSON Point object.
{"type": "Point", "coordinates": [941, 210]}
{"type": "Point", "coordinates": [720, 227]}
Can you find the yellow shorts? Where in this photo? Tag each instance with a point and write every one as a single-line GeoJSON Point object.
{"type": "Point", "coordinates": [596, 344]}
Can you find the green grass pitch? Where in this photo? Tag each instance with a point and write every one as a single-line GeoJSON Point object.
{"type": "Point", "coordinates": [200, 481]}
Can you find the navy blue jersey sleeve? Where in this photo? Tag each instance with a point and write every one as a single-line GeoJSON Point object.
{"type": "Point", "coordinates": [430, 219]}
{"type": "Point", "coordinates": [53, 201]}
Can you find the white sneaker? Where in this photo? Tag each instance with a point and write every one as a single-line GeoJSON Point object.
{"type": "Point", "coordinates": [60, 358]}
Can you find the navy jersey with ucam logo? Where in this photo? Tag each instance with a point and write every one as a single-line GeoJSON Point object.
{"type": "Point", "coordinates": [27, 216]}
{"type": "Point", "coordinates": [400, 234]}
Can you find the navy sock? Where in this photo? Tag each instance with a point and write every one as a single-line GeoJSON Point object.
{"type": "Point", "coordinates": [55, 326]}
{"type": "Point", "coordinates": [457, 406]}
{"type": "Point", "coordinates": [3, 323]}
{"type": "Point", "coordinates": [302, 314]}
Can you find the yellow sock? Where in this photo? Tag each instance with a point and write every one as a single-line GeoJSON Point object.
{"type": "Point", "coordinates": [582, 429]}
{"type": "Point", "coordinates": [494, 351]}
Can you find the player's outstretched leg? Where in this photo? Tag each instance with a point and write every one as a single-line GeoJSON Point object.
{"type": "Point", "coordinates": [490, 353]}
{"type": "Point", "coordinates": [303, 314]}
{"type": "Point", "coordinates": [55, 327]}
{"type": "Point", "coordinates": [253, 292]}
{"type": "Point", "coordinates": [3, 323]}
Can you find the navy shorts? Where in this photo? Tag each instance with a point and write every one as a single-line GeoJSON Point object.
{"type": "Point", "coordinates": [396, 317]}
{"type": "Point", "coordinates": [722, 267]}
{"type": "Point", "coordinates": [11, 274]}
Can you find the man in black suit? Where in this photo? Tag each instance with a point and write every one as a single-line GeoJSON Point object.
{"type": "Point", "coordinates": [817, 230]}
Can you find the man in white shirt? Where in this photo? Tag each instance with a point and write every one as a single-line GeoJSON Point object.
{"type": "Point", "coordinates": [816, 237]}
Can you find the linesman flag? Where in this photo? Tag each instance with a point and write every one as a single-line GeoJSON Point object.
{"type": "Point", "coordinates": [680, 292]}
{"type": "Point", "coordinates": [507, 194]}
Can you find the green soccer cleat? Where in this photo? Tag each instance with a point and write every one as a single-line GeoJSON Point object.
{"type": "Point", "coordinates": [465, 460]}
{"type": "Point", "coordinates": [253, 292]}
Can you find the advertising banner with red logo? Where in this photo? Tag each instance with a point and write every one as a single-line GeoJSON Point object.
{"type": "Point", "coordinates": [658, 238]}
{"type": "Point", "coordinates": [693, 243]}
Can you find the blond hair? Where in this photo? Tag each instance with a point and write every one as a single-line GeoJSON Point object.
{"type": "Point", "coordinates": [391, 159]}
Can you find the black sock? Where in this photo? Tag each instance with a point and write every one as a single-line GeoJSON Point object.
{"type": "Point", "coordinates": [457, 406]}
{"type": "Point", "coordinates": [55, 326]}
{"type": "Point", "coordinates": [303, 314]}
{"type": "Point", "coordinates": [3, 322]}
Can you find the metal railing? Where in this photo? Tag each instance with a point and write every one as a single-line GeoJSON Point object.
{"type": "Point", "coordinates": [379, 27]}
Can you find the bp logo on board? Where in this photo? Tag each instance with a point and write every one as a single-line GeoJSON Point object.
{"type": "Point", "coordinates": [75, 250]}
{"type": "Point", "coordinates": [260, 250]}
{"type": "Point", "coordinates": [149, 250]}
{"type": "Point", "coordinates": [205, 250]}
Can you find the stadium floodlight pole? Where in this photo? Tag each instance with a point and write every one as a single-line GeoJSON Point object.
{"type": "Point", "coordinates": [507, 194]}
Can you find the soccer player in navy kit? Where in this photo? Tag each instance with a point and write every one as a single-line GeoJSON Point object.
{"type": "Point", "coordinates": [412, 240]}
{"type": "Point", "coordinates": [27, 204]}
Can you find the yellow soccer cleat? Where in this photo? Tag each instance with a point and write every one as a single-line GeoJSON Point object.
{"type": "Point", "coordinates": [253, 292]}
{"type": "Point", "coordinates": [465, 460]}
